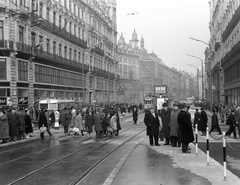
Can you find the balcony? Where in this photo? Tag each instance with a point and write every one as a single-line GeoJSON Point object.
{"type": "Point", "coordinates": [98, 51]}
{"type": "Point", "coordinates": [55, 30]}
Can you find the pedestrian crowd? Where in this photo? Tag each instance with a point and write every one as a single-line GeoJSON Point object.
{"type": "Point", "coordinates": [102, 121]}
{"type": "Point", "coordinates": [173, 123]}
{"type": "Point", "coordinates": [15, 124]}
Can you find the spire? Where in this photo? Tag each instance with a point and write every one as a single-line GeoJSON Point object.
{"type": "Point", "coordinates": [142, 42]}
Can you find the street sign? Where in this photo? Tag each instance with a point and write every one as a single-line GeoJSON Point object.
{"type": "Point", "coordinates": [160, 89]}
{"type": "Point", "coordinates": [120, 91]}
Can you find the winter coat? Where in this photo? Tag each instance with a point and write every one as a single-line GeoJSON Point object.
{"type": "Point", "coordinates": [89, 122]}
{"type": "Point", "coordinates": [174, 126]}
{"type": "Point", "coordinates": [186, 127]}
{"type": "Point", "coordinates": [28, 121]}
{"type": "Point", "coordinates": [74, 120]}
{"type": "Point", "coordinates": [13, 122]}
{"type": "Point", "coordinates": [165, 115]}
{"type": "Point", "coordinates": [4, 127]}
{"type": "Point", "coordinates": [65, 118]}
{"type": "Point", "coordinates": [106, 123]}
{"type": "Point", "coordinates": [79, 122]}
{"type": "Point", "coordinates": [22, 123]}
{"type": "Point", "coordinates": [152, 123]}
{"type": "Point", "coordinates": [214, 121]}
{"type": "Point", "coordinates": [113, 122]}
{"type": "Point", "coordinates": [203, 122]}
{"type": "Point", "coordinates": [197, 118]}
{"type": "Point", "coordinates": [135, 116]}
{"type": "Point", "coordinates": [97, 119]}
{"type": "Point", "coordinates": [42, 121]}
{"type": "Point", "coordinates": [232, 121]}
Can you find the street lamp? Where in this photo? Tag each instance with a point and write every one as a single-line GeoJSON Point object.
{"type": "Point", "coordinates": [197, 79]}
{"type": "Point", "coordinates": [202, 73]}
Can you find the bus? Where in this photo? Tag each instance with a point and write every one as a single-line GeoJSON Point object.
{"type": "Point", "coordinates": [58, 104]}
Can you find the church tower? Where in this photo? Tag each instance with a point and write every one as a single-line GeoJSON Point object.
{"type": "Point", "coordinates": [134, 40]}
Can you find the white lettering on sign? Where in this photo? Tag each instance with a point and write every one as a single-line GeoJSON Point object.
{"type": "Point", "coordinates": [3, 101]}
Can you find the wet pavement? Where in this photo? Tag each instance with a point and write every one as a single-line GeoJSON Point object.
{"type": "Point", "coordinates": [145, 164]}
{"type": "Point", "coordinates": [168, 165]}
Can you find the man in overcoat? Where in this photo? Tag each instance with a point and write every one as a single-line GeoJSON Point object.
{"type": "Point", "coordinates": [13, 121]}
{"type": "Point", "coordinates": [174, 126]}
{"type": "Point", "coordinates": [165, 115]}
{"type": "Point", "coordinates": [65, 119]}
{"type": "Point", "coordinates": [185, 123]}
{"type": "Point", "coordinates": [152, 122]}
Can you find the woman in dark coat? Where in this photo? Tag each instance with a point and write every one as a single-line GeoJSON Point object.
{"type": "Point", "coordinates": [152, 122]}
{"type": "Point", "coordinates": [215, 124]}
{"type": "Point", "coordinates": [203, 122]}
{"type": "Point", "coordinates": [197, 118]}
{"type": "Point", "coordinates": [89, 122]}
{"type": "Point", "coordinates": [185, 123]}
{"type": "Point", "coordinates": [28, 121]}
{"type": "Point", "coordinates": [135, 115]}
{"type": "Point", "coordinates": [106, 123]}
{"type": "Point", "coordinates": [42, 122]}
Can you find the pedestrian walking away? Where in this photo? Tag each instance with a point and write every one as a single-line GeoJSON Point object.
{"type": "Point", "coordinates": [135, 115]}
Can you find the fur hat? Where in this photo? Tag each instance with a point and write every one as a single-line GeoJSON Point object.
{"type": "Point", "coordinates": [164, 105]}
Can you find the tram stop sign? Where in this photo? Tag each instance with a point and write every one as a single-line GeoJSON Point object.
{"type": "Point", "coordinates": [160, 89]}
{"type": "Point", "coordinates": [120, 91]}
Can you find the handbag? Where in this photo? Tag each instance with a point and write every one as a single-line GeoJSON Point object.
{"type": "Point", "coordinates": [43, 129]}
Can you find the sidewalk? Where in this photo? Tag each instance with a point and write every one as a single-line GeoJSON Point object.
{"type": "Point", "coordinates": [196, 164]}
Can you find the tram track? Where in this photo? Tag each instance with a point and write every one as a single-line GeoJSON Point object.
{"type": "Point", "coordinates": [101, 143]}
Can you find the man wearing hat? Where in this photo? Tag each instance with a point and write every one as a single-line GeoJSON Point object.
{"type": "Point", "coordinates": [185, 124]}
{"type": "Point", "coordinates": [165, 115]}
{"type": "Point", "coordinates": [174, 126]}
{"type": "Point", "coordinates": [152, 122]}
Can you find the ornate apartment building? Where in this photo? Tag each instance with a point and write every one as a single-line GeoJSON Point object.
{"type": "Point", "coordinates": [64, 49]}
{"type": "Point", "coordinates": [223, 54]}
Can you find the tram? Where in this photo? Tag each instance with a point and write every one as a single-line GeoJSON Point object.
{"type": "Point", "coordinates": [150, 100]}
{"type": "Point", "coordinates": [57, 104]}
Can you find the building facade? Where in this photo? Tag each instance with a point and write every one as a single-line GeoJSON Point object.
{"type": "Point", "coordinates": [224, 53]}
{"type": "Point", "coordinates": [63, 49]}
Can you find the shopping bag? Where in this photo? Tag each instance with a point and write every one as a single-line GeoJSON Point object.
{"type": "Point", "coordinates": [75, 129]}
{"type": "Point", "coordinates": [43, 129]}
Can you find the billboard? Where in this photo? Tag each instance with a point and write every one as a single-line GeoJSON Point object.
{"type": "Point", "coordinates": [160, 89]}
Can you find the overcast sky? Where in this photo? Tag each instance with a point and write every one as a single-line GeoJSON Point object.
{"type": "Point", "coordinates": [166, 26]}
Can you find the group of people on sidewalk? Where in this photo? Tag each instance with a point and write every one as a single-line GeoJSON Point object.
{"type": "Point", "coordinates": [174, 123]}
{"type": "Point", "coordinates": [15, 124]}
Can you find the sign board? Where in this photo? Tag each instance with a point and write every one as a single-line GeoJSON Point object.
{"type": "Point", "coordinates": [3, 101]}
{"type": "Point", "coordinates": [120, 91]}
{"type": "Point", "coordinates": [160, 89]}
{"type": "Point", "coordinates": [22, 100]}
{"type": "Point", "coordinates": [160, 101]}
